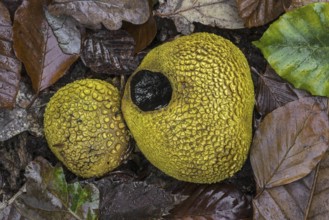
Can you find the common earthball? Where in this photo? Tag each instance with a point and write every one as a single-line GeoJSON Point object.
{"type": "Point", "coordinates": [85, 129]}
{"type": "Point", "coordinates": [189, 106]}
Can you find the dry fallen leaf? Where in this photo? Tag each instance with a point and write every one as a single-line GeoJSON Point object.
{"type": "Point", "coordinates": [110, 52]}
{"type": "Point", "coordinates": [143, 34]}
{"type": "Point", "coordinates": [37, 47]}
{"type": "Point", "coordinates": [10, 67]}
{"type": "Point", "coordinates": [274, 92]}
{"type": "Point", "coordinates": [289, 142]}
{"type": "Point", "coordinates": [300, 3]}
{"type": "Point", "coordinates": [110, 13]}
{"type": "Point", "coordinates": [212, 201]}
{"type": "Point", "coordinates": [259, 12]}
{"type": "Point", "coordinates": [218, 13]}
{"type": "Point", "coordinates": [66, 32]}
{"type": "Point", "coordinates": [306, 198]}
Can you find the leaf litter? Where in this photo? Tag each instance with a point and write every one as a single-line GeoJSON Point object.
{"type": "Point", "coordinates": [315, 207]}
{"type": "Point", "coordinates": [279, 157]}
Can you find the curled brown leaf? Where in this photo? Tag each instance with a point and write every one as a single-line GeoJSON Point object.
{"type": "Point", "coordinates": [259, 12]}
{"type": "Point", "coordinates": [10, 67]}
{"type": "Point", "coordinates": [290, 142]}
{"type": "Point", "coordinates": [37, 47]}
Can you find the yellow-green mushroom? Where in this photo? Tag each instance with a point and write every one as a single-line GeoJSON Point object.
{"type": "Point", "coordinates": [85, 129]}
{"type": "Point", "coordinates": [189, 107]}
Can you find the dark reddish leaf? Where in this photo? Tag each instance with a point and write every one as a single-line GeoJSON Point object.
{"type": "Point", "coordinates": [110, 13]}
{"type": "Point", "coordinates": [289, 142]}
{"type": "Point", "coordinates": [37, 47]}
{"type": "Point", "coordinates": [215, 201]}
{"type": "Point", "coordinates": [300, 3]}
{"type": "Point", "coordinates": [143, 34]}
{"type": "Point", "coordinates": [259, 12]}
{"type": "Point", "coordinates": [14, 159]}
{"type": "Point", "coordinates": [284, 202]}
{"type": "Point", "coordinates": [110, 52]}
{"type": "Point", "coordinates": [12, 5]}
{"type": "Point", "coordinates": [306, 198]}
{"type": "Point", "coordinates": [10, 67]}
{"type": "Point", "coordinates": [274, 92]}
{"type": "Point", "coordinates": [133, 200]}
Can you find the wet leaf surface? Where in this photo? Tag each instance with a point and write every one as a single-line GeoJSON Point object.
{"type": "Point", "coordinates": [306, 198]}
{"type": "Point", "coordinates": [110, 52]}
{"type": "Point", "coordinates": [14, 157]}
{"type": "Point", "coordinates": [212, 201]}
{"type": "Point", "coordinates": [299, 3]}
{"type": "Point", "coordinates": [49, 196]}
{"type": "Point", "coordinates": [274, 92]}
{"type": "Point", "coordinates": [298, 51]}
{"type": "Point", "coordinates": [37, 47]}
{"type": "Point", "coordinates": [256, 13]}
{"type": "Point", "coordinates": [216, 13]}
{"type": "Point", "coordinates": [134, 200]}
{"type": "Point", "coordinates": [21, 118]}
{"type": "Point", "coordinates": [279, 157]}
{"type": "Point", "coordinates": [110, 13]}
{"type": "Point", "coordinates": [10, 66]}
{"type": "Point", "coordinates": [143, 34]}
{"type": "Point", "coordinates": [66, 32]}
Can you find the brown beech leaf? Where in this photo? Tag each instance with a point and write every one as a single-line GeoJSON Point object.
{"type": "Point", "coordinates": [300, 3]}
{"type": "Point", "coordinates": [110, 52]}
{"type": "Point", "coordinates": [289, 142]}
{"type": "Point", "coordinates": [110, 13]}
{"type": "Point", "coordinates": [274, 92]}
{"type": "Point", "coordinates": [259, 12]}
{"type": "Point", "coordinates": [215, 201]}
{"type": "Point", "coordinates": [143, 34]}
{"type": "Point", "coordinates": [215, 13]}
{"type": "Point", "coordinates": [306, 198]}
{"type": "Point", "coordinates": [10, 67]}
{"type": "Point", "coordinates": [37, 46]}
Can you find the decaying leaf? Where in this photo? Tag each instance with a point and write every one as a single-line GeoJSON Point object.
{"type": "Point", "coordinates": [299, 3]}
{"type": "Point", "coordinates": [259, 12]}
{"type": "Point", "coordinates": [110, 52]}
{"type": "Point", "coordinates": [296, 46]}
{"type": "Point", "coordinates": [66, 32]}
{"type": "Point", "coordinates": [274, 92]}
{"type": "Point", "coordinates": [49, 196]}
{"type": "Point", "coordinates": [14, 157]}
{"type": "Point", "coordinates": [20, 119]}
{"type": "Point", "coordinates": [143, 34]}
{"type": "Point", "coordinates": [216, 13]}
{"type": "Point", "coordinates": [284, 202]}
{"type": "Point", "coordinates": [37, 46]}
{"type": "Point", "coordinates": [10, 67]}
{"type": "Point", "coordinates": [215, 201]}
{"type": "Point", "coordinates": [306, 198]}
{"type": "Point", "coordinates": [110, 13]}
{"type": "Point", "coordinates": [134, 200]}
{"type": "Point", "coordinates": [289, 142]}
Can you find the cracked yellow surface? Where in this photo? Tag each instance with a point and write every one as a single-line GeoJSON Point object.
{"type": "Point", "coordinates": [204, 134]}
{"type": "Point", "coordinates": [84, 127]}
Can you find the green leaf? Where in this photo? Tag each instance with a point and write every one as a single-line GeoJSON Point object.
{"type": "Point", "coordinates": [297, 47]}
{"type": "Point", "coordinates": [49, 196]}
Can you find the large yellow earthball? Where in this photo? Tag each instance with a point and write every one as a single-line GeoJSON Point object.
{"type": "Point", "coordinates": [189, 107]}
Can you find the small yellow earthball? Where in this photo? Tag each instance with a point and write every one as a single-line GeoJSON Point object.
{"type": "Point", "coordinates": [189, 107]}
{"type": "Point", "coordinates": [85, 129]}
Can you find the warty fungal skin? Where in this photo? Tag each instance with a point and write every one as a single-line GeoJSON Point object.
{"type": "Point", "coordinates": [204, 133]}
{"type": "Point", "coordinates": [85, 129]}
